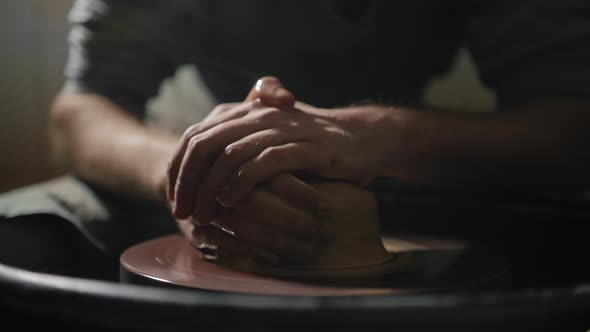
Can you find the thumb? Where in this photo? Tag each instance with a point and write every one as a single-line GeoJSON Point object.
{"type": "Point", "coordinates": [271, 92]}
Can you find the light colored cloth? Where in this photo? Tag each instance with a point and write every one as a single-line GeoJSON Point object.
{"type": "Point", "coordinates": [112, 223]}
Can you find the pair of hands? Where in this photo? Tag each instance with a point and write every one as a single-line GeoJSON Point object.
{"type": "Point", "coordinates": [230, 179]}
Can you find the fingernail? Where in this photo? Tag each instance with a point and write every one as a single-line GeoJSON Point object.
{"type": "Point", "coordinates": [282, 92]}
{"type": "Point", "coordinates": [196, 221]}
{"type": "Point", "coordinates": [224, 197]}
{"type": "Point", "coordinates": [201, 218]}
{"type": "Point", "coordinates": [224, 229]}
{"type": "Point", "coordinates": [259, 84]}
{"type": "Point", "coordinates": [209, 251]}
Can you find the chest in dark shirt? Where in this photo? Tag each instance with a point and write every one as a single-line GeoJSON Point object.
{"type": "Point", "coordinates": [329, 52]}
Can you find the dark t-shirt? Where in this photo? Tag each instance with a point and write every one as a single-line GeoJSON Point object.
{"type": "Point", "coordinates": [329, 52]}
{"type": "Point", "coordinates": [336, 52]}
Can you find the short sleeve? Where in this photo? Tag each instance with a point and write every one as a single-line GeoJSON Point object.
{"type": "Point", "coordinates": [123, 49]}
{"type": "Point", "coordinates": [532, 49]}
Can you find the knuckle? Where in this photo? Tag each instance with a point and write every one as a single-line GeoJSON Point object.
{"type": "Point", "coordinates": [191, 131]}
{"type": "Point", "coordinates": [289, 126]}
{"type": "Point", "coordinates": [192, 143]}
{"type": "Point", "coordinates": [269, 114]}
{"type": "Point", "coordinates": [256, 104]}
{"type": "Point", "coordinates": [220, 108]}
{"type": "Point", "coordinates": [232, 151]}
{"type": "Point", "coordinates": [275, 155]}
{"type": "Point", "coordinates": [195, 142]}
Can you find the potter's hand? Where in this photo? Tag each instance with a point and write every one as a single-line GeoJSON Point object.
{"type": "Point", "coordinates": [284, 202]}
{"type": "Point", "coordinates": [233, 152]}
{"type": "Point", "coordinates": [183, 181]}
{"type": "Point", "coordinates": [270, 222]}
{"type": "Point", "coordinates": [281, 219]}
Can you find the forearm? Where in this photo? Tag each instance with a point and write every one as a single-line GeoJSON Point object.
{"type": "Point", "coordinates": [103, 144]}
{"type": "Point", "coordinates": [540, 147]}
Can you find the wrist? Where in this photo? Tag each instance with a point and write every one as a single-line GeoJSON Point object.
{"type": "Point", "coordinates": [379, 135]}
{"type": "Point", "coordinates": [428, 148]}
{"type": "Point", "coordinates": [395, 142]}
{"type": "Point", "coordinates": [160, 185]}
{"type": "Point", "coordinates": [158, 170]}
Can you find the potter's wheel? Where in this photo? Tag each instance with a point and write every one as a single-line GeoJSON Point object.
{"type": "Point", "coordinates": [424, 265]}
